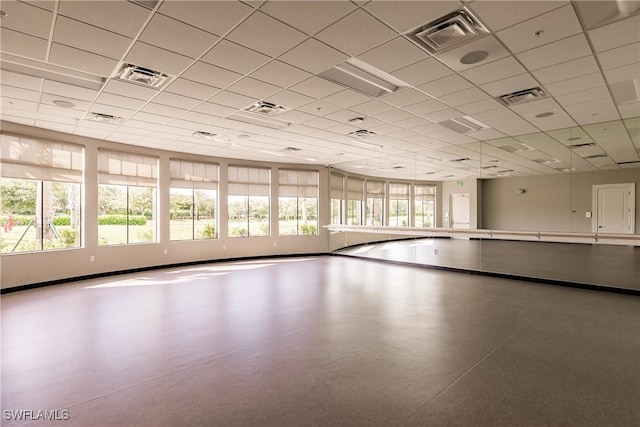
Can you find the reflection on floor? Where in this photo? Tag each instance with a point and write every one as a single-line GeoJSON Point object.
{"type": "Point", "coordinates": [326, 341]}
{"type": "Point", "coordinates": [598, 265]}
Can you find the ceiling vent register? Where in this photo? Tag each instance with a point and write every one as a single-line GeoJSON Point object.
{"type": "Point", "coordinates": [361, 133]}
{"type": "Point", "coordinates": [522, 96]}
{"type": "Point", "coordinates": [142, 76]}
{"type": "Point", "coordinates": [266, 108]}
{"type": "Point", "coordinates": [448, 31]}
{"type": "Point", "coordinates": [463, 124]}
{"type": "Point", "coordinates": [105, 118]}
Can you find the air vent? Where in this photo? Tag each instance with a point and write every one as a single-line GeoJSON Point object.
{"type": "Point", "coordinates": [522, 96]}
{"type": "Point", "coordinates": [266, 108]}
{"type": "Point", "coordinates": [291, 149]}
{"type": "Point", "coordinates": [546, 161]}
{"type": "Point", "coordinates": [397, 167]}
{"type": "Point", "coordinates": [361, 133]}
{"type": "Point", "coordinates": [463, 159]}
{"type": "Point", "coordinates": [106, 118]}
{"type": "Point", "coordinates": [488, 167]}
{"type": "Point", "coordinates": [448, 32]}
{"type": "Point", "coordinates": [362, 77]}
{"type": "Point", "coordinates": [516, 147]}
{"type": "Point", "coordinates": [595, 156]}
{"type": "Point", "coordinates": [463, 124]}
{"type": "Point", "coordinates": [142, 76]}
{"type": "Point", "coordinates": [205, 135]}
{"type": "Point", "coordinates": [258, 120]}
{"type": "Point", "coordinates": [631, 163]}
{"type": "Point", "coordinates": [586, 144]}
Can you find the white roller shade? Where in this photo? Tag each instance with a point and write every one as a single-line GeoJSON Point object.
{"type": "Point", "coordinates": [337, 186]}
{"type": "Point", "coordinates": [117, 168]}
{"type": "Point", "coordinates": [375, 189]}
{"type": "Point", "coordinates": [425, 192]}
{"type": "Point", "coordinates": [246, 181]}
{"type": "Point", "coordinates": [187, 174]}
{"type": "Point", "coordinates": [399, 190]}
{"type": "Point", "coordinates": [295, 183]}
{"type": "Point", "coordinates": [43, 160]}
{"type": "Point", "coordinates": [355, 189]}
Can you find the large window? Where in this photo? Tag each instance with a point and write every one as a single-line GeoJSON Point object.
{"type": "Point", "coordinates": [248, 202]}
{"type": "Point", "coordinates": [375, 203]}
{"type": "Point", "coordinates": [425, 205]}
{"type": "Point", "coordinates": [298, 202]}
{"type": "Point", "coordinates": [41, 191]}
{"type": "Point", "coordinates": [337, 198]}
{"type": "Point", "coordinates": [355, 198]}
{"type": "Point", "coordinates": [126, 198]}
{"type": "Point", "coordinates": [398, 205]}
{"type": "Point", "coordinates": [193, 200]}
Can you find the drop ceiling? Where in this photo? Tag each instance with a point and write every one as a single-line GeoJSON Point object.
{"type": "Point", "coordinates": [60, 61]}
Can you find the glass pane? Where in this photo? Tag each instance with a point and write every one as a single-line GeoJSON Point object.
{"type": "Point", "coordinates": [18, 232]}
{"type": "Point", "coordinates": [336, 211]}
{"type": "Point", "coordinates": [288, 215]}
{"type": "Point", "coordinates": [375, 206]}
{"type": "Point", "coordinates": [205, 202]}
{"type": "Point", "coordinates": [308, 216]}
{"type": "Point", "coordinates": [112, 214]}
{"type": "Point", "coordinates": [181, 214]}
{"type": "Point", "coordinates": [354, 212]}
{"type": "Point", "coordinates": [259, 216]}
{"type": "Point", "coordinates": [142, 226]}
{"type": "Point", "coordinates": [62, 229]}
{"type": "Point", "coordinates": [238, 220]}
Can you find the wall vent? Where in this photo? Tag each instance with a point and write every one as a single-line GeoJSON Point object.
{"type": "Point", "coordinates": [522, 96]}
{"type": "Point", "coordinates": [106, 118]}
{"type": "Point", "coordinates": [448, 31]}
{"type": "Point", "coordinates": [266, 108]}
{"type": "Point", "coordinates": [142, 76]}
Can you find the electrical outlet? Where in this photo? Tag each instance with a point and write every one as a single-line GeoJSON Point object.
{"type": "Point", "coordinates": [165, 251]}
{"type": "Point", "coordinates": [587, 214]}
{"type": "Point", "coordinates": [92, 258]}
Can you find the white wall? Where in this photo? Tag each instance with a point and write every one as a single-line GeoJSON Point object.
{"type": "Point", "coordinates": [467, 186]}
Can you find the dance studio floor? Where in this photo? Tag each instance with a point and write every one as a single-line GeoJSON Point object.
{"type": "Point", "coordinates": [322, 341]}
{"type": "Point", "coordinates": [598, 265]}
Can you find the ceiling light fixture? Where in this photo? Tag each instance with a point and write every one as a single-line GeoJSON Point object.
{"type": "Point", "coordinates": [362, 77]}
{"type": "Point", "coordinates": [258, 120]}
{"type": "Point", "coordinates": [474, 57]}
{"type": "Point", "coordinates": [543, 115]}
{"type": "Point", "coordinates": [356, 120]}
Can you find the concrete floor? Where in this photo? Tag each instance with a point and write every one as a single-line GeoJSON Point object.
{"type": "Point", "coordinates": [599, 265]}
{"type": "Point", "coordinates": [327, 341]}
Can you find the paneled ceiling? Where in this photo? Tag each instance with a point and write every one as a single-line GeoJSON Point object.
{"type": "Point", "coordinates": [61, 59]}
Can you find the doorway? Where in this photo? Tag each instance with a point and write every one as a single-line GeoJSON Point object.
{"type": "Point", "coordinates": [614, 208]}
{"type": "Point", "coordinates": [459, 210]}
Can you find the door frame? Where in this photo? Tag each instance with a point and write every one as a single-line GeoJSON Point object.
{"type": "Point", "coordinates": [464, 195]}
{"type": "Point", "coordinates": [631, 187]}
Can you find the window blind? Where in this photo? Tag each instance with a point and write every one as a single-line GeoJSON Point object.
{"type": "Point", "coordinates": [248, 181]}
{"type": "Point", "coordinates": [375, 189]}
{"type": "Point", "coordinates": [355, 189]}
{"type": "Point", "coordinates": [337, 186]}
{"type": "Point", "coordinates": [117, 168]}
{"type": "Point", "coordinates": [296, 183]}
{"type": "Point", "coordinates": [187, 174]}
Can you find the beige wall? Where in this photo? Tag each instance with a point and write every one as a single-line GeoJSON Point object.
{"type": "Point", "coordinates": [550, 202]}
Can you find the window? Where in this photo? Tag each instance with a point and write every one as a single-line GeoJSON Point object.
{"type": "Point", "coordinates": [425, 205]}
{"type": "Point", "coordinates": [193, 200]}
{"type": "Point", "coordinates": [298, 202]}
{"type": "Point", "coordinates": [126, 198]}
{"type": "Point", "coordinates": [398, 205]}
{"type": "Point", "coordinates": [248, 201]}
{"type": "Point", "coordinates": [375, 203]}
{"type": "Point", "coordinates": [41, 191]}
{"type": "Point", "coordinates": [355, 197]}
{"type": "Point", "coordinates": [337, 198]}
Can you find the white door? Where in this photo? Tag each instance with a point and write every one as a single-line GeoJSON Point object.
{"type": "Point", "coordinates": [614, 208]}
{"type": "Point", "coordinates": [459, 210]}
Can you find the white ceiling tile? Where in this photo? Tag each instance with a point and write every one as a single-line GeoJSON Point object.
{"type": "Point", "coordinates": [555, 53]}
{"type": "Point", "coordinates": [295, 116]}
{"type": "Point", "coordinates": [157, 59]}
{"type": "Point", "coordinates": [212, 109]}
{"type": "Point", "coordinates": [69, 90]}
{"type": "Point", "coordinates": [199, 117]}
{"type": "Point", "coordinates": [19, 93]}
{"type": "Point", "coordinates": [20, 80]}
{"type": "Point", "coordinates": [141, 126]}
{"type": "Point", "coordinates": [120, 101]}
{"type": "Point", "coordinates": [26, 19]}
{"type": "Point", "coordinates": [321, 123]}
{"type": "Point", "coordinates": [464, 97]}
{"type": "Point", "coordinates": [174, 100]}
{"type": "Point", "coordinates": [234, 57]}
{"type": "Point", "coordinates": [191, 89]}
{"type": "Point", "coordinates": [176, 36]}
{"type": "Point", "coordinates": [405, 97]}
{"type": "Point", "coordinates": [210, 75]}
{"type": "Point", "coordinates": [89, 38]}
{"type": "Point", "coordinates": [500, 14]}
{"type": "Point", "coordinates": [62, 114]}
{"type": "Point", "coordinates": [316, 87]}
{"type": "Point", "coordinates": [422, 72]}
{"type": "Point", "coordinates": [447, 114]}
{"type": "Point", "coordinates": [263, 33]}
{"type": "Point", "coordinates": [60, 127]}
{"type": "Point", "coordinates": [81, 60]}
{"type": "Point", "coordinates": [544, 29]}
{"type": "Point", "coordinates": [593, 112]}
{"type": "Point", "coordinates": [497, 70]}
{"type": "Point", "coordinates": [313, 56]}
{"type": "Point", "coordinates": [584, 95]}
{"type": "Point", "coordinates": [124, 18]}
{"type": "Point", "coordinates": [79, 104]}
{"type": "Point", "coordinates": [319, 108]}
{"type": "Point", "coordinates": [217, 17]}
{"type": "Point", "coordinates": [280, 74]}
{"type": "Point", "coordinates": [411, 123]}
{"type": "Point", "coordinates": [130, 90]}
{"type": "Point", "coordinates": [394, 54]}
{"type": "Point", "coordinates": [445, 86]}
{"type": "Point", "coordinates": [309, 17]}
{"type": "Point", "coordinates": [253, 88]}
{"type": "Point", "coordinates": [625, 55]}
{"type": "Point", "coordinates": [425, 107]}
{"type": "Point", "coordinates": [617, 34]}
{"type": "Point", "coordinates": [394, 115]}
{"type": "Point", "coordinates": [631, 110]}
{"type": "Point", "coordinates": [407, 15]}
{"type": "Point", "coordinates": [151, 118]}
{"type": "Point", "coordinates": [23, 44]}
{"type": "Point", "coordinates": [232, 100]}
{"type": "Point", "coordinates": [17, 108]}
{"type": "Point", "coordinates": [509, 85]}
{"type": "Point", "coordinates": [356, 33]}
{"type": "Point", "coordinates": [510, 126]}
{"type": "Point", "coordinates": [490, 45]}
{"type": "Point", "coordinates": [346, 98]}
{"type": "Point", "coordinates": [621, 74]}
{"type": "Point", "coordinates": [371, 108]}
{"type": "Point", "coordinates": [479, 106]}
{"type": "Point", "coordinates": [567, 70]}
{"type": "Point", "coordinates": [162, 110]}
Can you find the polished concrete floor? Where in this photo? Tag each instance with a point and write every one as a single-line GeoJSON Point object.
{"type": "Point", "coordinates": [598, 265]}
{"type": "Point", "coordinates": [328, 341]}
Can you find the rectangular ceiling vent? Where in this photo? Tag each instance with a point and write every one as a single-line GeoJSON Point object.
{"type": "Point", "coordinates": [205, 135]}
{"type": "Point", "coordinates": [291, 149]}
{"type": "Point", "coordinates": [488, 167]}
{"type": "Point", "coordinates": [595, 156]}
{"type": "Point", "coordinates": [631, 163]}
{"type": "Point", "coordinates": [106, 118]}
{"type": "Point", "coordinates": [522, 96]}
{"type": "Point", "coordinates": [516, 147]}
{"type": "Point", "coordinates": [142, 76]}
{"type": "Point", "coordinates": [583, 145]}
{"type": "Point", "coordinates": [546, 161]}
{"type": "Point", "coordinates": [448, 31]}
{"type": "Point", "coordinates": [462, 159]}
{"type": "Point", "coordinates": [266, 108]}
{"type": "Point", "coordinates": [362, 77]}
{"type": "Point", "coordinates": [361, 133]}
{"type": "Point", "coordinates": [463, 124]}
